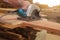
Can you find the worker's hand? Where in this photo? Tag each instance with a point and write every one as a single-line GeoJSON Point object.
{"type": "Point", "coordinates": [25, 5]}
{"type": "Point", "coordinates": [19, 3]}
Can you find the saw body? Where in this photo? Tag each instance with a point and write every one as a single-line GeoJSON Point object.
{"type": "Point", "coordinates": [32, 12]}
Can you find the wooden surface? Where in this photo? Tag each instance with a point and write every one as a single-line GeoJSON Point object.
{"type": "Point", "coordinates": [7, 9]}
{"type": "Point", "coordinates": [43, 24]}
{"type": "Point", "coordinates": [12, 22]}
{"type": "Point", "coordinates": [51, 27]}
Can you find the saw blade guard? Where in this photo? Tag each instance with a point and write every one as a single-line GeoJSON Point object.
{"type": "Point", "coordinates": [31, 8]}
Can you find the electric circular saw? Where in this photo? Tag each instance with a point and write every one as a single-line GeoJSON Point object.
{"type": "Point", "coordinates": [32, 13]}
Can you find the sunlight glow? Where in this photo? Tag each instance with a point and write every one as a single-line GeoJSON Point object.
{"type": "Point", "coordinates": [50, 3]}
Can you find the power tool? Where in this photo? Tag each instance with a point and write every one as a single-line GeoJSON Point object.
{"type": "Point", "coordinates": [32, 12]}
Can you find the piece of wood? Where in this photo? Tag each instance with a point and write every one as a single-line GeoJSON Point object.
{"type": "Point", "coordinates": [8, 9]}
{"type": "Point", "coordinates": [10, 35]}
{"type": "Point", "coordinates": [51, 27]}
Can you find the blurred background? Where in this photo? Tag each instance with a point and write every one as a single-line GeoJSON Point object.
{"type": "Point", "coordinates": [51, 8]}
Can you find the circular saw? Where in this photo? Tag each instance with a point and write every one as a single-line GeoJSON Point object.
{"type": "Point", "coordinates": [32, 12]}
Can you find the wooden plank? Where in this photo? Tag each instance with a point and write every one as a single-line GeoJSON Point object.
{"type": "Point", "coordinates": [8, 9]}
{"type": "Point", "coordinates": [10, 35]}
{"type": "Point", "coordinates": [5, 10]}
{"type": "Point", "coordinates": [51, 27]}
